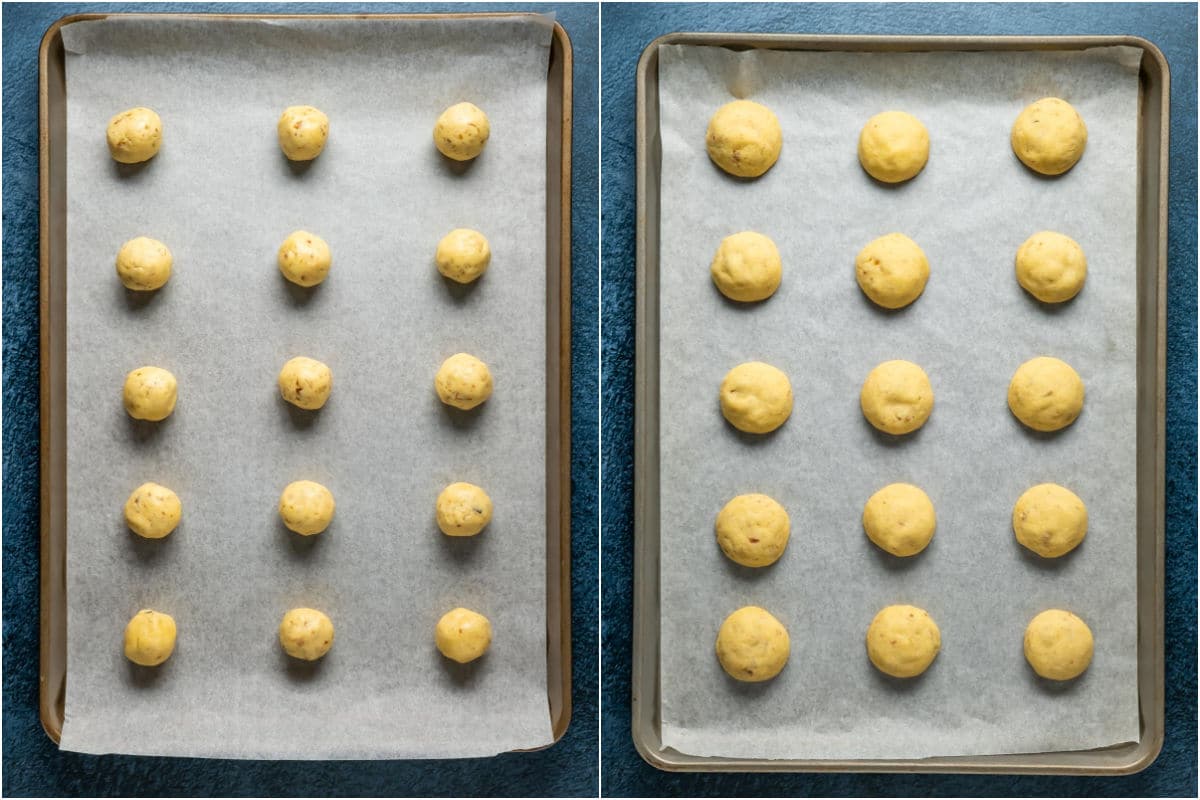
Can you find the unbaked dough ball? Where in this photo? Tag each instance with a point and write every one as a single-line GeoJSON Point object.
{"type": "Point", "coordinates": [306, 507]}
{"type": "Point", "coordinates": [896, 397]}
{"type": "Point", "coordinates": [900, 519]}
{"type": "Point", "coordinates": [893, 146]}
{"type": "Point", "coordinates": [305, 383]}
{"type": "Point", "coordinates": [892, 270]}
{"type": "Point", "coordinates": [152, 511]}
{"type": "Point", "coordinates": [744, 138]}
{"type": "Point", "coordinates": [1058, 645]}
{"type": "Point", "coordinates": [463, 255]}
{"type": "Point", "coordinates": [902, 641]}
{"type": "Point", "coordinates": [463, 635]}
{"type": "Point", "coordinates": [1051, 267]}
{"type": "Point", "coordinates": [756, 397]}
{"type": "Point", "coordinates": [143, 264]}
{"type": "Point", "coordinates": [463, 381]}
{"type": "Point", "coordinates": [461, 131]}
{"type": "Point", "coordinates": [747, 267]}
{"type": "Point", "coordinates": [463, 509]}
{"type": "Point", "coordinates": [302, 132]}
{"type": "Point", "coordinates": [304, 258]}
{"type": "Point", "coordinates": [149, 638]}
{"type": "Point", "coordinates": [752, 645]}
{"type": "Point", "coordinates": [306, 633]}
{"type": "Point", "coordinates": [134, 135]}
{"type": "Point", "coordinates": [1046, 394]}
{"type": "Point", "coordinates": [1050, 520]}
{"type": "Point", "coordinates": [753, 530]}
{"type": "Point", "coordinates": [1049, 136]}
{"type": "Point", "coordinates": [150, 393]}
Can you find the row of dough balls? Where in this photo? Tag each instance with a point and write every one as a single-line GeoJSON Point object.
{"type": "Point", "coordinates": [902, 641]}
{"type": "Point", "coordinates": [459, 133]}
{"type": "Point", "coordinates": [461, 635]}
{"type": "Point", "coordinates": [1045, 394]}
{"type": "Point", "coordinates": [892, 270]}
{"type": "Point", "coordinates": [744, 138]}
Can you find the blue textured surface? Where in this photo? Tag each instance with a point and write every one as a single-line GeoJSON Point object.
{"type": "Point", "coordinates": [625, 31]}
{"type": "Point", "coordinates": [32, 764]}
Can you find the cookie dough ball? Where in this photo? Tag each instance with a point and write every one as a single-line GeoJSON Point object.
{"type": "Point", "coordinates": [1046, 394]}
{"type": "Point", "coordinates": [744, 138]}
{"type": "Point", "coordinates": [747, 267]}
{"type": "Point", "coordinates": [306, 633]}
{"type": "Point", "coordinates": [756, 397]}
{"type": "Point", "coordinates": [752, 645]}
{"type": "Point", "coordinates": [302, 132]}
{"type": "Point", "coordinates": [461, 131]}
{"type": "Point", "coordinates": [463, 255]}
{"type": "Point", "coordinates": [463, 381]}
{"type": "Point", "coordinates": [306, 507]}
{"type": "Point", "coordinates": [463, 509]}
{"type": "Point", "coordinates": [892, 270]}
{"type": "Point", "coordinates": [899, 518]}
{"type": "Point", "coordinates": [134, 135]}
{"type": "Point", "coordinates": [1050, 520]}
{"type": "Point", "coordinates": [150, 393]}
{"type": "Point", "coordinates": [902, 641]}
{"type": "Point", "coordinates": [305, 383]}
{"type": "Point", "coordinates": [304, 258]}
{"type": "Point", "coordinates": [1049, 136]}
{"type": "Point", "coordinates": [896, 397]}
{"type": "Point", "coordinates": [1051, 267]}
{"type": "Point", "coordinates": [1058, 645]}
{"type": "Point", "coordinates": [753, 530]}
{"type": "Point", "coordinates": [463, 635]}
{"type": "Point", "coordinates": [143, 264]}
{"type": "Point", "coordinates": [149, 638]}
{"type": "Point", "coordinates": [893, 146]}
{"type": "Point", "coordinates": [152, 511]}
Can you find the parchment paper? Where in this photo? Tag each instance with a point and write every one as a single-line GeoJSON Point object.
{"type": "Point", "coordinates": [970, 210]}
{"type": "Point", "coordinates": [223, 198]}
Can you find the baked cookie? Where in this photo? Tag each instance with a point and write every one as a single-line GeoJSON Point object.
{"type": "Point", "coordinates": [752, 645]}
{"type": "Point", "coordinates": [1049, 520]}
{"type": "Point", "coordinates": [463, 635]}
{"type": "Point", "coordinates": [305, 383]}
{"type": "Point", "coordinates": [461, 131]}
{"type": "Point", "coordinates": [463, 509]}
{"type": "Point", "coordinates": [1051, 267]}
{"type": "Point", "coordinates": [306, 634]}
{"type": "Point", "coordinates": [463, 255]}
{"type": "Point", "coordinates": [744, 138]}
{"type": "Point", "coordinates": [756, 397]}
{"type": "Point", "coordinates": [134, 135]}
{"type": "Point", "coordinates": [892, 270]}
{"type": "Point", "coordinates": [753, 530]}
{"type": "Point", "coordinates": [1058, 645]}
{"type": "Point", "coordinates": [143, 264]}
{"type": "Point", "coordinates": [1049, 136]}
{"type": "Point", "coordinates": [893, 146]}
{"type": "Point", "coordinates": [306, 507]}
{"type": "Point", "coordinates": [1046, 394]}
{"type": "Point", "coordinates": [152, 511]}
{"type": "Point", "coordinates": [463, 381]}
{"type": "Point", "coordinates": [896, 397]}
{"type": "Point", "coordinates": [747, 267]}
{"type": "Point", "coordinates": [149, 638]}
{"type": "Point", "coordinates": [900, 519]}
{"type": "Point", "coordinates": [150, 393]}
{"type": "Point", "coordinates": [902, 641]}
{"type": "Point", "coordinates": [304, 258]}
{"type": "Point", "coordinates": [302, 131]}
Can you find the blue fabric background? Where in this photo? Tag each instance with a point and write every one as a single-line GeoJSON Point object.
{"type": "Point", "coordinates": [32, 764]}
{"type": "Point", "coordinates": [625, 31]}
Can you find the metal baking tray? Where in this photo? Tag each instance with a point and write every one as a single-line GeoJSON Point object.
{"type": "Point", "coordinates": [52, 137]}
{"type": "Point", "coordinates": [1153, 129]}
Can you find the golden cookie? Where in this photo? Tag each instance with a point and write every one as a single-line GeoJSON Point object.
{"type": "Point", "coordinates": [461, 131]}
{"type": "Point", "coordinates": [153, 511]}
{"type": "Point", "coordinates": [463, 255]}
{"type": "Point", "coordinates": [150, 393]}
{"type": "Point", "coordinates": [306, 507]}
{"type": "Point", "coordinates": [1051, 267]}
{"type": "Point", "coordinates": [305, 383]}
{"type": "Point", "coordinates": [744, 138]}
{"type": "Point", "coordinates": [463, 635]}
{"type": "Point", "coordinates": [463, 509]}
{"type": "Point", "coordinates": [302, 132]}
{"type": "Point", "coordinates": [134, 135]}
{"type": "Point", "coordinates": [1058, 645]}
{"type": "Point", "coordinates": [753, 530]}
{"type": "Point", "coordinates": [1049, 136]}
{"type": "Point", "coordinates": [896, 397]}
{"type": "Point", "coordinates": [304, 258]}
{"type": "Point", "coordinates": [892, 270]}
{"type": "Point", "coordinates": [747, 267]}
{"type": "Point", "coordinates": [1050, 520]}
{"type": "Point", "coordinates": [900, 519]}
{"type": "Point", "coordinates": [752, 645]}
{"type": "Point", "coordinates": [902, 641]}
{"type": "Point", "coordinates": [893, 146]}
{"type": "Point", "coordinates": [150, 638]}
{"type": "Point", "coordinates": [1046, 394]}
{"type": "Point", "coordinates": [756, 397]}
{"type": "Point", "coordinates": [463, 381]}
{"type": "Point", "coordinates": [143, 264]}
{"type": "Point", "coordinates": [306, 633]}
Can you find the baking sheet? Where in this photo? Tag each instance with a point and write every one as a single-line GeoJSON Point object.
{"type": "Point", "coordinates": [222, 197]}
{"type": "Point", "coordinates": [969, 210]}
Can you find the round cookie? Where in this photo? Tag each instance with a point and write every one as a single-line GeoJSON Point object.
{"type": "Point", "coordinates": [893, 146]}
{"type": "Point", "coordinates": [744, 138]}
{"type": "Point", "coordinates": [134, 135]}
{"type": "Point", "coordinates": [302, 131]}
{"type": "Point", "coordinates": [747, 267]}
{"type": "Point", "coordinates": [305, 383]}
{"type": "Point", "coordinates": [892, 270]}
{"type": "Point", "coordinates": [306, 507]}
{"type": "Point", "coordinates": [463, 509]}
{"type": "Point", "coordinates": [756, 397]}
{"type": "Point", "coordinates": [1046, 394]}
{"type": "Point", "coordinates": [463, 635]}
{"type": "Point", "coordinates": [902, 641]}
{"type": "Point", "coordinates": [752, 645]}
{"type": "Point", "coordinates": [461, 131]}
{"type": "Point", "coordinates": [143, 264]}
{"type": "Point", "coordinates": [152, 511]}
{"type": "Point", "coordinates": [306, 633]}
{"type": "Point", "coordinates": [1050, 520]}
{"type": "Point", "coordinates": [1051, 267]}
{"type": "Point", "coordinates": [900, 519]}
{"type": "Point", "coordinates": [150, 393]}
{"type": "Point", "coordinates": [463, 255]}
{"type": "Point", "coordinates": [753, 530]}
{"type": "Point", "coordinates": [1049, 136]}
{"type": "Point", "coordinates": [304, 258]}
{"type": "Point", "coordinates": [896, 397]}
{"type": "Point", "coordinates": [1058, 645]}
{"type": "Point", "coordinates": [150, 638]}
{"type": "Point", "coordinates": [463, 381]}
